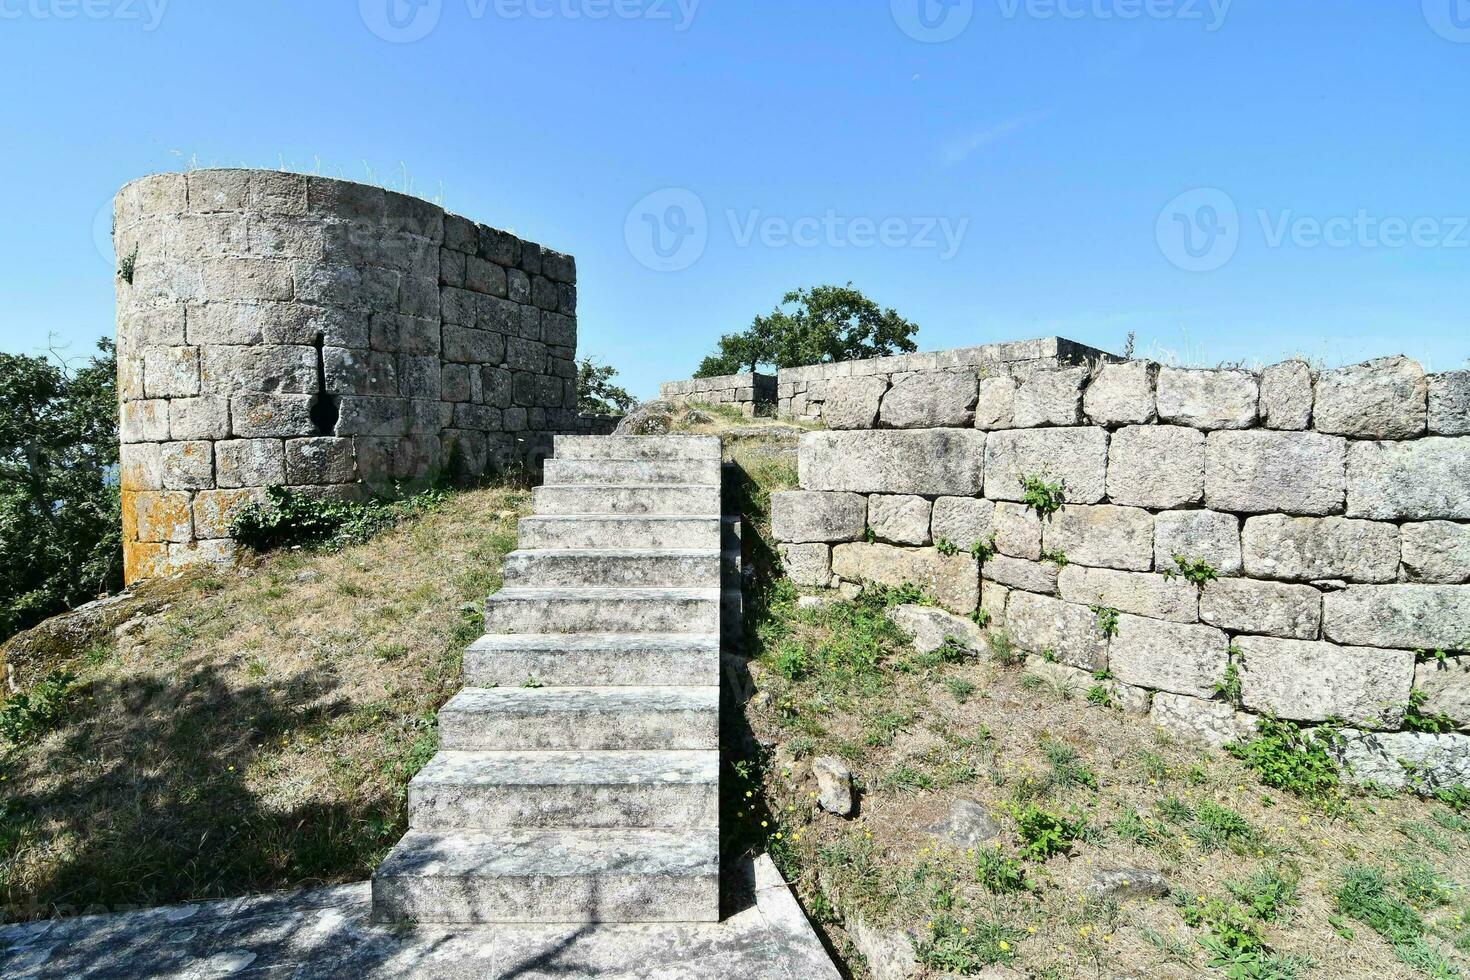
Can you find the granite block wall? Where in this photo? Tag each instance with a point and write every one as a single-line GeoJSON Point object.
{"type": "Point", "coordinates": [340, 339]}
{"type": "Point", "coordinates": [1230, 543]}
{"type": "Point", "coordinates": [754, 394]}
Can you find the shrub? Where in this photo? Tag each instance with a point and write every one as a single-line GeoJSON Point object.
{"type": "Point", "coordinates": [998, 873]}
{"type": "Point", "coordinates": [1044, 834]}
{"type": "Point", "coordinates": [1286, 758]}
{"type": "Point", "coordinates": [288, 518]}
{"type": "Point", "coordinates": [1268, 894]}
{"type": "Point", "coordinates": [957, 947]}
{"type": "Point", "coordinates": [28, 714]}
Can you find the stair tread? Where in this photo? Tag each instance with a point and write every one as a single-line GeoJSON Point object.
{"type": "Point", "coordinates": [622, 517]}
{"type": "Point", "coordinates": [553, 853]}
{"type": "Point", "coordinates": [572, 768]}
{"type": "Point", "coordinates": [629, 486]}
{"type": "Point", "coordinates": [633, 594]}
{"type": "Point", "coordinates": [569, 553]}
{"type": "Point", "coordinates": [598, 641]}
{"type": "Point", "coordinates": [544, 700]}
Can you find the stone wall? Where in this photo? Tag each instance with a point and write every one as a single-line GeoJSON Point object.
{"type": "Point", "coordinates": [1325, 515]}
{"type": "Point", "coordinates": [753, 394]}
{"type": "Point", "coordinates": [282, 329]}
{"type": "Point", "coordinates": [803, 392]}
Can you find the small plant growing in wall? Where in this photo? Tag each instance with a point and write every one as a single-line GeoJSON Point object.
{"type": "Point", "coordinates": [1107, 620]}
{"type": "Point", "coordinates": [1229, 689]}
{"type": "Point", "coordinates": [1415, 720]}
{"type": "Point", "coordinates": [1043, 496]}
{"type": "Point", "coordinates": [983, 550]}
{"type": "Point", "coordinates": [1056, 556]}
{"type": "Point", "coordinates": [128, 266]}
{"type": "Point", "coordinates": [1199, 572]}
{"type": "Point", "coordinates": [946, 547]}
{"type": "Point", "coordinates": [1099, 695]}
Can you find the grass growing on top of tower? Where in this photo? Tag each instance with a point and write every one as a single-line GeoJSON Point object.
{"type": "Point", "coordinates": [257, 733]}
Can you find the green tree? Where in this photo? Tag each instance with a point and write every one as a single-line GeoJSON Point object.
{"type": "Point", "coordinates": [60, 534]}
{"type": "Point", "coordinates": [813, 326]}
{"type": "Point", "coordinates": [596, 394]}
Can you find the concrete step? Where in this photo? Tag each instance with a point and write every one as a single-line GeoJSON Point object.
{"type": "Point", "coordinates": [602, 610]}
{"type": "Point", "coordinates": [637, 447]}
{"type": "Point", "coordinates": [612, 567]}
{"type": "Point", "coordinates": [580, 718]}
{"type": "Point", "coordinates": [551, 876]}
{"type": "Point", "coordinates": [562, 472]}
{"type": "Point", "coordinates": [602, 659]}
{"type": "Point", "coordinates": [569, 790]}
{"type": "Point", "coordinates": [604, 531]}
{"type": "Point", "coordinates": [626, 500]}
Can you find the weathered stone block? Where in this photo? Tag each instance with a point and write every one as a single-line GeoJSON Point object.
{"type": "Point", "coordinates": [320, 460]}
{"type": "Point", "coordinates": [1017, 573]}
{"type": "Point", "coordinates": [808, 565]}
{"type": "Point", "coordinates": [1103, 536]}
{"type": "Point", "coordinates": [1198, 535]}
{"type": "Point", "coordinates": [1122, 394]}
{"type": "Point", "coordinates": [1286, 396]}
{"type": "Point", "coordinates": [187, 465]}
{"type": "Point", "coordinates": [926, 401]}
{"type": "Point", "coordinates": [1446, 687]}
{"type": "Point", "coordinates": [1043, 625]}
{"type": "Point", "coordinates": [953, 580]}
{"type": "Point", "coordinates": [140, 467]}
{"type": "Point", "coordinates": [993, 598]}
{"type": "Point", "coordinates": [1212, 723]}
{"type": "Point", "coordinates": [1017, 531]}
{"type": "Point", "coordinates": [362, 416]}
{"type": "Point", "coordinates": [899, 518]}
{"type": "Point", "coordinates": [170, 372]}
{"type": "Point", "coordinates": [1387, 759]}
{"type": "Point", "coordinates": [1405, 617]}
{"type": "Point", "coordinates": [1427, 479]}
{"type": "Point", "coordinates": [246, 279]}
{"type": "Point", "coordinates": [1158, 466]}
{"type": "Point", "coordinates": [803, 516]}
{"type": "Point", "coordinates": [143, 421]}
{"type": "Point", "coordinates": [852, 403]}
{"type": "Point", "coordinates": [216, 510]}
{"type": "Point", "coordinates": [930, 628]}
{"type": "Point", "coordinates": [924, 461]}
{"type": "Point", "coordinates": [254, 415]}
{"type": "Point", "coordinates": [163, 516]}
{"type": "Point", "coordinates": [264, 368]}
{"type": "Point", "coordinates": [249, 463]}
{"type": "Point", "coordinates": [1207, 399]}
{"type": "Point", "coordinates": [962, 521]}
{"type": "Point", "coordinates": [205, 417]}
{"type": "Point", "coordinates": [1243, 605]}
{"type": "Point", "coordinates": [1381, 399]}
{"type": "Point", "coordinates": [359, 372]}
{"type": "Point", "coordinates": [1436, 551]}
{"type": "Point", "coordinates": [1266, 471]}
{"type": "Point", "coordinates": [1449, 404]}
{"type": "Point", "coordinates": [1050, 398]}
{"type": "Point", "coordinates": [1077, 458]}
{"type": "Point", "coordinates": [483, 276]}
{"type": "Point", "coordinates": [1313, 681]}
{"type": "Point", "coordinates": [995, 403]}
{"type": "Point", "coordinates": [1140, 593]}
{"type": "Point", "coordinates": [1309, 549]}
{"type": "Point", "coordinates": [1179, 658]}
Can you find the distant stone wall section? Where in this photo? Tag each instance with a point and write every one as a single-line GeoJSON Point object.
{"type": "Point", "coordinates": [340, 339]}
{"type": "Point", "coordinates": [1333, 509]}
{"type": "Point", "coordinates": [803, 392]}
{"type": "Point", "coordinates": [753, 394]}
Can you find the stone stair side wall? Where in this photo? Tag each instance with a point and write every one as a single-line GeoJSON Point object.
{"type": "Point", "coordinates": [753, 394]}
{"type": "Point", "coordinates": [1332, 509]}
{"type": "Point", "coordinates": [284, 329]}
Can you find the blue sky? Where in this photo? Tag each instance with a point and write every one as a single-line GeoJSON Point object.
{"type": "Point", "coordinates": [1232, 181]}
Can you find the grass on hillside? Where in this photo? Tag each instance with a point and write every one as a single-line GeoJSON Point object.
{"type": "Point", "coordinates": [257, 734]}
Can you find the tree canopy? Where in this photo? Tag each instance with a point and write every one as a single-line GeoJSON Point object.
{"type": "Point", "coordinates": [813, 326]}
{"type": "Point", "coordinates": [596, 394]}
{"type": "Point", "coordinates": [60, 541]}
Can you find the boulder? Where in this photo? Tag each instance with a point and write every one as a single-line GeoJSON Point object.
{"type": "Point", "coordinates": [966, 825]}
{"type": "Point", "coordinates": [1449, 404]}
{"type": "Point", "coordinates": [1103, 536]}
{"type": "Point", "coordinates": [1404, 617]}
{"type": "Point", "coordinates": [1212, 723]}
{"type": "Point", "coordinates": [1140, 593]}
{"type": "Point", "coordinates": [995, 403]}
{"type": "Point", "coordinates": [1389, 758]}
{"type": "Point", "coordinates": [1436, 551]}
{"type": "Point", "coordinates": [834, 785]}
{"type": "Point", "coordinates": [808, 565]}
{"type": "Point", "coordinates": [1068, 631]}
{"type": "Point", "coordinates": [930, 628]}
{"type": "Point", "coordinates": [1446, 687]}
{"type": "Point", "coordinates": [1017, 531]}
{"type": "Point", "coordinates": [1242, 605]}
{"type": "Point", "coordinates": [1127, 884]}
{"type": "Point", "coordinates": [1017, 573]}
{"type": "Point", "coordinates": [962, 520]}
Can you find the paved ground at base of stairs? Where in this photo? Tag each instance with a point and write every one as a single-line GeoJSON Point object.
{"type": "Point", "coordinates": [328, 932]}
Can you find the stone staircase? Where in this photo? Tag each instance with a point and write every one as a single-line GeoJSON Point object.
{"type": "Point", "coordinates": [578, 772]}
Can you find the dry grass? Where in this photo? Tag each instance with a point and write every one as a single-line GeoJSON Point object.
{"type": "Point", "coordinates": [260, 732]}
{"type": "Point", "coordinates": [921, 732]}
